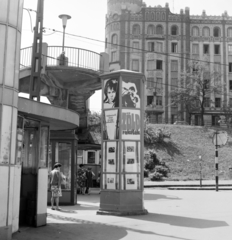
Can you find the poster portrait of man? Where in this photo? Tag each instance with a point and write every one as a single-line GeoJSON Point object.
{"type": "Point", "coordinates": [131, 94]}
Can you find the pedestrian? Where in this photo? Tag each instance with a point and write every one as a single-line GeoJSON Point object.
{"type": "Point", "coordinates": [81, 178]}
{"type": "Point", "coordinates": [89, 179]}
{"type": "Point", "coordinates": [99, 179]}
{"type": "Point", "coordinates": [55, 186]}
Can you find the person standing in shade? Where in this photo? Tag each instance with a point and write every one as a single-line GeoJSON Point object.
{"type": "Point", "coordinates": [55, 186]}
{"type": "Point", "coordinates": [89, 179]}
{"type": "Point", "coordinates": [81, 178]}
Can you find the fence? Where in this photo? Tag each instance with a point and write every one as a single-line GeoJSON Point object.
{"type": "Point", "coordinates": [74, 57]}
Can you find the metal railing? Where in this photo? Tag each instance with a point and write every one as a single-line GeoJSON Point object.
{"type": "Point", "coordinates": [74, 57]}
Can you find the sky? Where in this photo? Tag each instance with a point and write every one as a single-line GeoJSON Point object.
{"type": "Point", "coordinates": [88, 20]}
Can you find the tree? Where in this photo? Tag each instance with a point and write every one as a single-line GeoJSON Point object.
{"type": "Point", "coordinates": [94, 121]}
{"type": "Point", "coordinates": [195, 88]}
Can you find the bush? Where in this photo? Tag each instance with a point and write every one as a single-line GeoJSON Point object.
{"type": "Point", "coordinates": [156, 176]}
{"type": "Point", "coordinates": [146, 173]}
{"type": "Point", "coordinates": [162, 169]}
{"type": "Point", "coordinates": [153, 135]}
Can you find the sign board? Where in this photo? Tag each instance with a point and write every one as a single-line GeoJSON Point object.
{"type": "Point", "coordinates": [220, 138]}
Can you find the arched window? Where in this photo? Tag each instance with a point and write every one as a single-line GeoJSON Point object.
{"type": "Point", "coordinates": [174, 30]}
{"type": "Point", "coordinates": [229, 32]}
{"type": "Point", "coordinates": [195, 31]}
{"type": "Point", "coordinates": [216, 32]}
{"type": "Point", "coordinates": [136, 29]}
{"type": "Point", "coordinates": [150, 30]}
{"type": "Point", "coordinates": [206, 32]}
{"type": "Point", "coordinates": [114, 40]}
{"type": "Point", "coordinates": [159, 29]}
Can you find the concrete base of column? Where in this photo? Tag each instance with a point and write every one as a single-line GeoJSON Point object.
{"type": "Point", "coordinates": [6, 233]}
{"type": "Point", "coordinates": [121, 203]}
{"type": "Point", "coordinates": [123, 213]}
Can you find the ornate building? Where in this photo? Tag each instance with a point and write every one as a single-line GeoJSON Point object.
{"type": "Point", "coordinates": [158, 43]}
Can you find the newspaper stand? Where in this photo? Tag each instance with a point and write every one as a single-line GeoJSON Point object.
{"type": "Point", "coordinates": [122, 143]}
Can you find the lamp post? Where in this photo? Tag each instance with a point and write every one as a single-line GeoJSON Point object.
{"type": "Point", "coordinates": [200, 159]}
{"type": "Point", "coordinates": [64, 18]}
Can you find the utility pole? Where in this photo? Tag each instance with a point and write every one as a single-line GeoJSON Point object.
{"type": "Point", "coordinates": [36, 62]}
{"type": "Point", "coordinates": [216, 160]}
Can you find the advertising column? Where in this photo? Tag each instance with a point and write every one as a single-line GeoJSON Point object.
{"type": "Point", "coordinates": [122, 143]}
{"type": "Point", "coordinates": [10, 172]}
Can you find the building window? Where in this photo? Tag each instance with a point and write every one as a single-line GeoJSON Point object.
{"type": "Point", "coordinates": [136, 29]}
{"type": "Point", "coordinates": [206, 48]}
{"type": "Point", "coordinates": [230, 83]}
{"type": "Point", "coordinates": [151, 46]}
{"type": "Point", "coordinates": [216, 32]}
{"type": "Point", "coordinates": [216, 49]}
{"type": "Point", "coordinates": [174, 47]}
{"type": "Point", "coordinates": [135, 65]}
{"type": "Point", "coordinates": [230, 67]}
{"type": "Point", "coordinates": [206, 32]}
{"type": "Point", "coordinates": [91, 157]}
{"type": "Point", "coordinates": [159, 46]}
{"type": "Point", "coordinates": [174, 83]}
{"type": "Point", "coordinates": [114, 40]}
{"type": "Point", "coordinates": [195, 31]}
{"type": "Point", "coordinates": [230, 48]}
{"type": "Point", "coordinates": [150, 82]}
{"type": "Point", "coordinates": [159, 30]}
{"type": "Point", "coordinates": [217, 67]}
{"type": "Point", "coordinates": [150, 30]}
{"type": "Point", "coordinates": [135, 46]}
{"type": "Point", "coordinates": [207, 102]}
{"type": "Point", "coordinates": [230, 102]}
{"type": "Point", "coordinates": [149, 100]}
{"type": "Point", "coordinates": [159, 100]}
{"type": "Point", "coordinates": [174, 66]}
{"type": "Point", "coordinates": [229, 32]}
{"type": "Point", "coordinates": [217, 102]}
{"type": "Point", "coordinates": [195, 48]}
{"type": "Point", "coordinates": [174, 30]}
{"type": "Point", "coordinates": [159, 82]}
{"type": "Point", "coordinates": [113, 56]}
{"type": "Point", "coordinates": [215, 120]}
{"type": "Point", "coordinates": [159, 64]}
{"type": "Point", "coordinates": [151, 65]}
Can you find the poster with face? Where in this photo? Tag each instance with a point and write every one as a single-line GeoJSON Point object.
{"type": "Point", "coordinates": [110, 125]}
{"type": "Point", "coordinates": [130, 124]}
{"type": "Point", "coordinates": [131, 159]}
{"type": "Point", "coordinates": [131, 93]}
{"type": "Point", "coordinates": [110, 181]}
{"type": "Point", "coordinates": [110, 95]}
{"type": "Point", "coordinates": [130, 182]}
{"type": "Point", "coordinates": [110, 157]}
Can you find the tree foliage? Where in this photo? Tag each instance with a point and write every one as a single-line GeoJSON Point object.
{"type": "Point", "coordinates": [195, 86]}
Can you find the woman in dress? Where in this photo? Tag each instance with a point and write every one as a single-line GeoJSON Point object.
{"type": "Point", "coordinates": [81, 178]}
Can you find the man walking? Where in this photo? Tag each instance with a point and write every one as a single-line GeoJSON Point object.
{"type": "Point", "coordinates": [55, 185]}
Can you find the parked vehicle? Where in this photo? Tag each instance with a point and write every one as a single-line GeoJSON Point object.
{"type": "Point", "coordinates": [180, 123]}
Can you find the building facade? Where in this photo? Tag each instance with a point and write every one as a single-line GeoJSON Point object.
{"type": "Point", "coordinates": [158, 43]}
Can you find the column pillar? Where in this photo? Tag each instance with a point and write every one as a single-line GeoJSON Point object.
{"type": "Point", "coordinates": [122, 144]}
{"type": "Point", "coordinates": [10, 32]}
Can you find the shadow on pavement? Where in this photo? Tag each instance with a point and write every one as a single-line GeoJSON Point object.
{"type": "Point", "coordinates": [149, 196]}
{"type": "Point", "coordinates": [181, 221]}
{"type": "Point", "coordinates": [76, 229]}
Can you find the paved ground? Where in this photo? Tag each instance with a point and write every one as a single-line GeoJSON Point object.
{"type": "Point", "coordinates": [173, 215]}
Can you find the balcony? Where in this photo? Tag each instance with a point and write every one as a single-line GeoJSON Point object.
{"type": "Point", "coordinates": [67, 80]}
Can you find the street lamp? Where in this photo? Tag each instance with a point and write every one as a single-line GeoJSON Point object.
{"type": "Point", "coordinates": [64, 18]}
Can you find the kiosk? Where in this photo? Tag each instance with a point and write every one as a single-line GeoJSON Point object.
{"type": "Point", "coordinates": [122, 143]}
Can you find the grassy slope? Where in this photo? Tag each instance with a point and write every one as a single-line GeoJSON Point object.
{"type": "Point", "coordinates": [181, 153]}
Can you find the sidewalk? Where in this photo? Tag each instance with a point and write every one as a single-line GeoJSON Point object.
{"type": "Point", "coordinates": [190, 185]}
{"type": "Point", "coordinates": [173, 215]}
